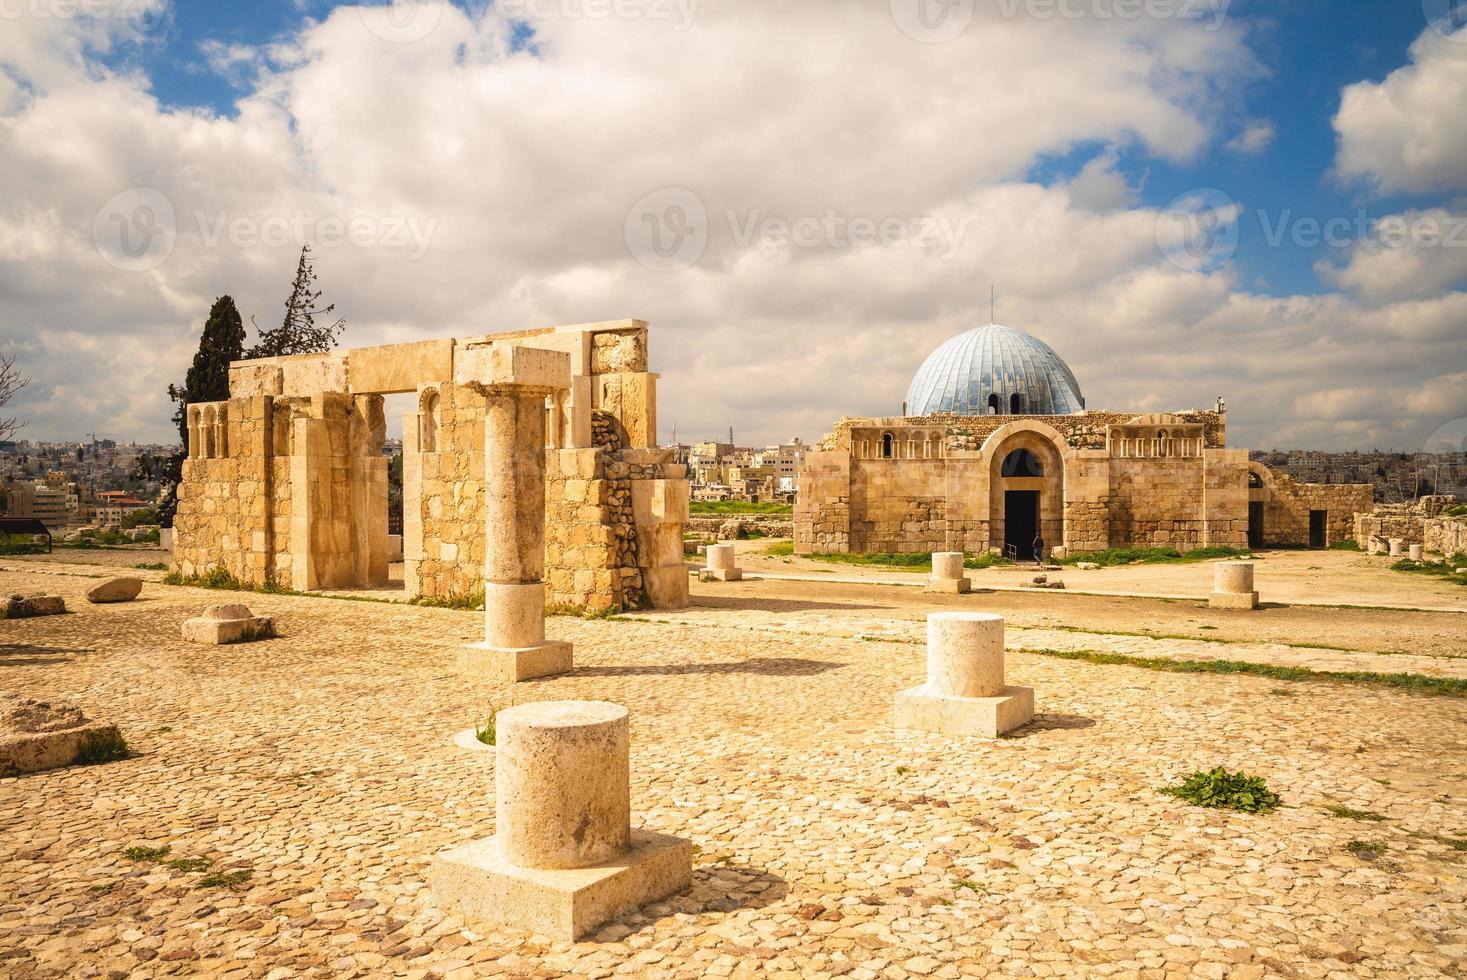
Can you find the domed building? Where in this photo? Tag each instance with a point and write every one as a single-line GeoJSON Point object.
{"type": "Point", "coordinates": [994, 370]}
{"type": "Point", "coordinates": [995, 448]}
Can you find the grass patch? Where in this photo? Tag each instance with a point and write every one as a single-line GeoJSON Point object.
{"type": "Point", "coordinates": [141, 853]}
{"type": "Point", "coordinates": [470, 600]}
{"type": "Point", "coordinates": [1440, 686]}
{"type": "Point", "coordinates": [903, 770]}
{"type": "Point", "coordinates": [224, 879]}
{"type": "Point", "coordinates": [102, 888]}
{"type": "Point", "coordinates": [1369, 850]}
{"type": "Point", "coordinates": [1350, 813]}
{"type": "Point", "coordinates": [20, 544]}
{"type": "Point", "coordinates": [1220, 789]}
{"type": "Point", "coordinates": [152, 566]}
{"type": "Point", "coordinates": [1346, 545]}
{"type": "Point", "coordinates": [733, 507]}
{"type": "Point", "coordinates": [1443, 569]}
{"type": "Point", "coordinates": [611, 614]}
{"type": "Point", "coordinates": [969, 884]}
{"type": "Point", "coordinates": [1282, 692]}
{"type": "Point", "coordinates": [783, 549]}
{"type": "Point", "coordinates": [103, 746]}
{"type": "Point", "coordinates": [1151, 556]}
{"type": "Point", "coordinates": [189, 864]}
{"type": "Point", "coordinates": [911, 561]}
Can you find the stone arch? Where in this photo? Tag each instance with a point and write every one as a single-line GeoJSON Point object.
{"type": "Point", "coordinates": [208, 425]}
{"type": "Point", "coordinates": [195, 440]}
{"type": "Point", "coordinates": [888, 445]}
{"type": "Point", "coordinates": [1009, 496]}
{"type": "Point", "coordinates": [429, 418]}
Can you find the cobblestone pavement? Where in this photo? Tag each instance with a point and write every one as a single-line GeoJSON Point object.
{"type": "Point", "coordinates": [828, 844]}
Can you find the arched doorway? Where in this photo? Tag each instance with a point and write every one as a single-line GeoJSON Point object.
{"type": "Point", "coordinates": [1026, 489]}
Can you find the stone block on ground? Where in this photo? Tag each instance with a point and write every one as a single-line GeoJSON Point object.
{"type": "Point", "coordinates": [123, 589]}
{"type": "Point", "coordinates": [39, 735]}
{"type": "Point", "coordinates": [231, 623]}
{"type": "Point", "coordinates": [25, 607]}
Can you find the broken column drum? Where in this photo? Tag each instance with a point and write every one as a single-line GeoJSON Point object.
{"type": "Point", "coordinates": [1233, 586]}
{"type": "Point", "coordinates": [965, 693]}
{"type": "Point", "coordinates": [948, 573]}
{"type": "Point", "coordinates": [722, 564]}
{"type": "Point", "coordinates": [565, 858]}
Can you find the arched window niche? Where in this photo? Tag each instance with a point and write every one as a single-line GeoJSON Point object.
{"type": "Point", "coordinates": [886, 445]}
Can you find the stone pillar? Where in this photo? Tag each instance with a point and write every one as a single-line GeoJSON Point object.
{"type": "Point", "coordinates": [1416, 552]}
{"type": "Point", "coordinates": [565, 858]}
{"type": "Point", "coordinates": [721, 565]}
{"type": "Point", "coordinates": [659, 511]}
{"type": "Point", "coordinates": [514, 382]}
{"type": "Point", "coordinates": [965, 693]}
{"type": "Point", "coordinates": [1232, 586]}
{"type": "Point", "coordinates": [948, 574]}
{"type": "Point", "coordinates": [1396, 544]}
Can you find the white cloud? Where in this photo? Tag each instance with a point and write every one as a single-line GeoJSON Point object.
{"type": "Point", "coordinates": [1256, 137]}
{"type": "Point", "coordinates": [1413, 255]}
{"type": "Point", "coordinates": [1409, 132]}
{"type": "Point", "coordinates": [519, 170]}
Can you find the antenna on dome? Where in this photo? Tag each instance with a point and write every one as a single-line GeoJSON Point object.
{"type": "Point", "coordinates": [990, 304]}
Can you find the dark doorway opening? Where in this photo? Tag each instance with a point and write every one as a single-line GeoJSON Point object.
{"type": "Point", "coordinates": [1021, 521]}
{"type": "Point", "coordinates": [1317, 519]}
{"type": "Point", "coordinates": [1255, 524]}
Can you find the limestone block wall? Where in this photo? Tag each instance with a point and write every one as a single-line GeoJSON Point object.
{"type": "Point", "coordinates": [224, 498]}
{"type": "Point", "coordinates": [898, 505]}
{"type": "Point", "coordinates": [1406, 521]}
{"type": "Point", "coordinates": [443, 471]}
{"type": "Point", "coordinates": [1225, 498]}
{"type": "Point", "coordinates": [823, 505]}
{"type": "Point", "coordinates": [1287, 505]}
{"type": "Point", "coordinates": [1446, 536]}
{"type": "Point", "coordinates": [1156, 503]}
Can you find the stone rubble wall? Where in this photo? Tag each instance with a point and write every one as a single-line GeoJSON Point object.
{"type": "Point", "coordinates": [1446, 536]}
{"type": "Point", "coordinates": [1288, 504]}
{"type": "Point", "coordinates": [1085, 430]}
{"type": "Point", "coordinates": [767, 525]}
{"type": "Point", "coordinates": [1415, 522]}
{"type": "Point", "coordinates": [223, 498]}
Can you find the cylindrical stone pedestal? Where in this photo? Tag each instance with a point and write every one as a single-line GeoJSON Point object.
{"type": "Point", "coordinates": [1232, 586]}
{"type": "Point", "coordinates": [562, 783]}
{"type": "Point", "coordinates": [721, 565]}
{"type": "Point", "coordinates": [965, 692]}
{"type": "Point", "coordinates": [1417, 552]}
{"type": "Point", "coordinates": [720, 557]}
{"type": "Point", "coordinates": [947, 564]}
{"type": "Point", "coordinates": [1396, 544]}
{"type": "Point", "coordinates": [1373, 545]}
{"type": "Point", "coordinates": [565, 858]}
{"type": "Point", "coordinates": [965, 654]}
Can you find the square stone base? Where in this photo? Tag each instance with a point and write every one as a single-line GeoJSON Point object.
{"type": "Point", "coordinates": [218, 632]}
{"type": "Point", "coordinates": [946, 715]}
{"type": "Point", "coordinates": [1233, 600]}
{"type": "Point", "coordinates": [720, 574]}
{"type": "Point", "coordinates": [37, 751]}
{"type": "Point", "coordinates": [951, 586]}
{"type": "Point", "coordinates": [564, 904]}
{"type": "Point", "coordinates": [512, 666]}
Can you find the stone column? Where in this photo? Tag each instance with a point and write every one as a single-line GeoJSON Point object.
{"type": "Point", "coordinates": [948, 574]}
{"type": "Point", "coordinates": [965, 693]}
{"type": "Point", "coordinates": [515, 382]}
{"type": "Point", "coordinates": [565, 858]}
{"type": "Point", "coordinates": [721, 566]}
{"type": "Point", "coordinates": [1416, 552]}
{"type": "Point", "coordinates": [1232, 586]}
{"type": "Point", "coordinates": [1396, 544]}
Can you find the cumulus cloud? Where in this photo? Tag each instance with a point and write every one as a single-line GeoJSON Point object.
{"type": "Point", "coordinates": [1408, 132]}
{"type": "Point", "coordinates": [849, 192]}
{"type": "Point", "coordinates": [1256, 137]}
{"type": "Point", "coordinates": [1412, 255]}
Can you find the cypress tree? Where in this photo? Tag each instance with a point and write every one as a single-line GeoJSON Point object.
{"type": "Point", "coordinates": [208, 377]}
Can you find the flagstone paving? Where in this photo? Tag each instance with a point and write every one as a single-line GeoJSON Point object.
{"type": "Point", "coordinates": [317, 772]}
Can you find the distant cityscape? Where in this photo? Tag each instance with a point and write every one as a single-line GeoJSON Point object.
{"type": "Point", "coordinates": [105, 482]}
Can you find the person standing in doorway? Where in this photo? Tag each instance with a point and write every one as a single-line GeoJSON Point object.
{"type": "Point", "coordinates": [1038, 548]}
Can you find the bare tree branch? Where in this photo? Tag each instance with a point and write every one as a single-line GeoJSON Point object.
{"type": "Point", "coordinates": [11, 381]}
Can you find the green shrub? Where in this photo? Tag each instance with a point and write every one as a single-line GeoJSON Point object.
{"type": "Point", "coordinates": [1218, 788]}
{"type": "Point", "coordinates": [141, 853]}
{"type": "Point", "coordinates": [190, 864]}
{"type": "Point", "coordinates": [1369, 850]}
{"type": "Point", "coordinates": [224, 879]}
{"type": "Point", "coordinates": [1345, 545]}
{"type": "Point", "coordinates": [1350, 813]}
{"type": "Point", "coordinates": [104, 746]}
{"type": "Point", "coordinates": [20, 544]}
{"type": "Point", "coordinates": [489, 732]}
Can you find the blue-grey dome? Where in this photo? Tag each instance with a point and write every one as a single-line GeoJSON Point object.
{"type": "Point", "coordinates": [994, 370]}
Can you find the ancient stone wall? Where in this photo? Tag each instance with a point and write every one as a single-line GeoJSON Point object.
{"type": "Point", "coordinates": [1086, 430]}
{"type": "Point", "coordinates": [1446, 536]}
{"type": "Point", "coordinates": [898, 505]}
{"type": "Point", "coordinates": [223, 501]}
{"type": "Point", "coordinates": [1411, 522]}
{"type": "Point", "coordinates": [1156, 503]}
{"type": "Point", "coordinates": [1287, 506]}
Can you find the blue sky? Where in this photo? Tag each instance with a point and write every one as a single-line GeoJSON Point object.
{"type": "Point", "coordinates": [540, 169]}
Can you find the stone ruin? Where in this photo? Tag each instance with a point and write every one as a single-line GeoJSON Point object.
{"type": "Point", "coordinates": [285, 482]}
